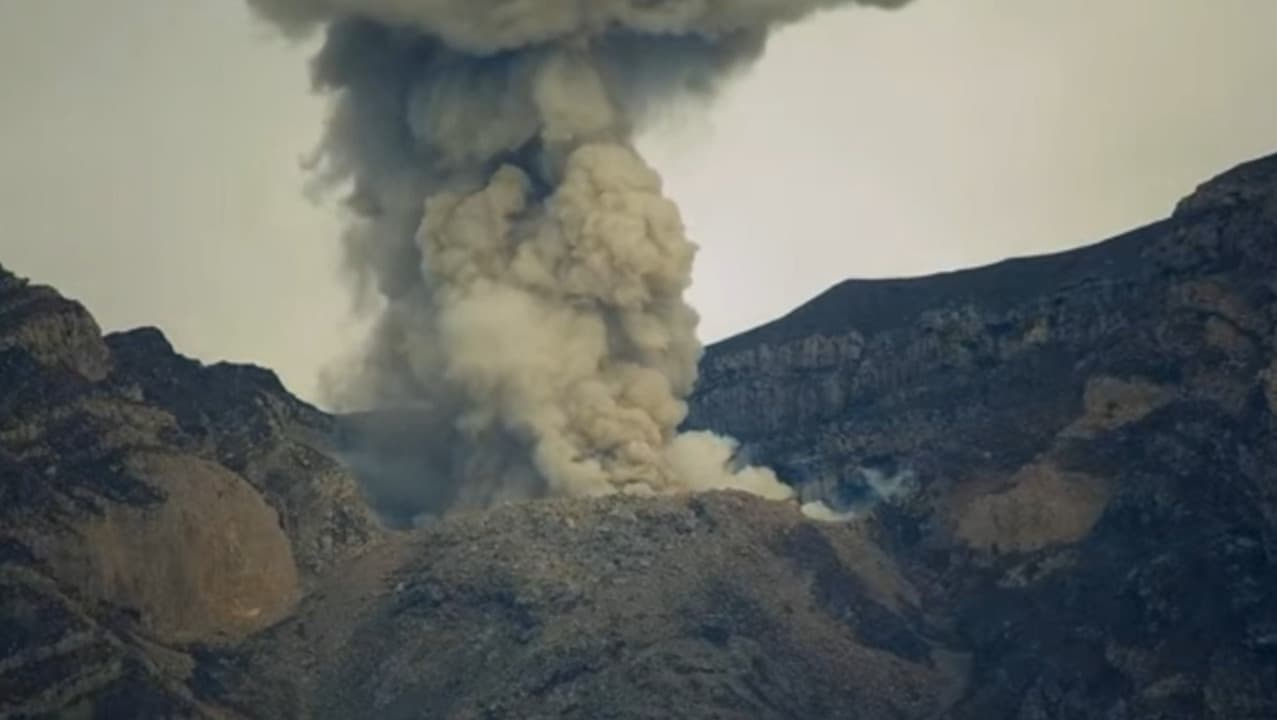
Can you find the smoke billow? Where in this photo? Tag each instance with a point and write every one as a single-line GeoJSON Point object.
{"type": "Point", "coordinates": [529, 271]}
{"type": "Point", "coordinates": [856, 493]}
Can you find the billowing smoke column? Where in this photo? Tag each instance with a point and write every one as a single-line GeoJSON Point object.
{"type": "Point", "coordinates": [532, 272]}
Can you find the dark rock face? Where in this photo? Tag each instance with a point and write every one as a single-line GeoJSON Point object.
{"type": "Point", "coordinates": [241, 417]}
{"type": "Point", "coordinates": [146, 503]}
{"type": "Point", "coordinates": [1063, 469]}
{"type": "Point", "coordinates": [51, 330]}
{"type": "Point", "coordinates": [1075, 457]}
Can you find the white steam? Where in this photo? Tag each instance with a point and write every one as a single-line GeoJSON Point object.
{"type": "Point", "coordinates": [531, 271]}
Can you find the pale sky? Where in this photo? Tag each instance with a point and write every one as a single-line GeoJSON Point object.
{"type": "Point", "coordinates": [149, 155]}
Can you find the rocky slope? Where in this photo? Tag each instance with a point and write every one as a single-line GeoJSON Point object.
{"type": "Point", "coordinates": [715, 606]}
{"type": "Point", "coordinates": [1062, 471]}
{"type": "Point", "coordinates": [1073, 458]}
{"type": "Point", "coordinates": [147, 505]}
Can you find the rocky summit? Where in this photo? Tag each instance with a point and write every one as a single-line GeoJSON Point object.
{"type": "Point", "coordinates": [1055, 481]}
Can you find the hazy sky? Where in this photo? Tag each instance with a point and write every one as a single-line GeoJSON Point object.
{"type": "Point", "coordinates": [149, 155]}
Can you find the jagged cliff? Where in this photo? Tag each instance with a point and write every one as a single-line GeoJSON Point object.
{"type": "Point", "coordinates": [1074, 457]}
{"type": "Point", "coordinates": [1063, 471]}
{"type": "Point", "coordinates": [147, 505]}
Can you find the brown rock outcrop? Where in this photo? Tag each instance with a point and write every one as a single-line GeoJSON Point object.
{"type": "Point", "coordinates": [133, 528]}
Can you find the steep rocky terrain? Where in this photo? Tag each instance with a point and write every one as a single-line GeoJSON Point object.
{"type": "Point", "coordinates": [1073, 458]}
{"type": "Point", "coordinates": [147, 505]}
{"type": "Point", "coordinates": [1062, 474]}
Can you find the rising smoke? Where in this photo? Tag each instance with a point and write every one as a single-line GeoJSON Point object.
{"type": "Point", "coordinates": [529, 271]}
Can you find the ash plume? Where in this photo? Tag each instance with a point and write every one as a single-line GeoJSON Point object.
{"type": "Point", "coordinates": [528, 270]}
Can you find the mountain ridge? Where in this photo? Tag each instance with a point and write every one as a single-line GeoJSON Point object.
{"type": "Point", "coordinates": [1221, 190]}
